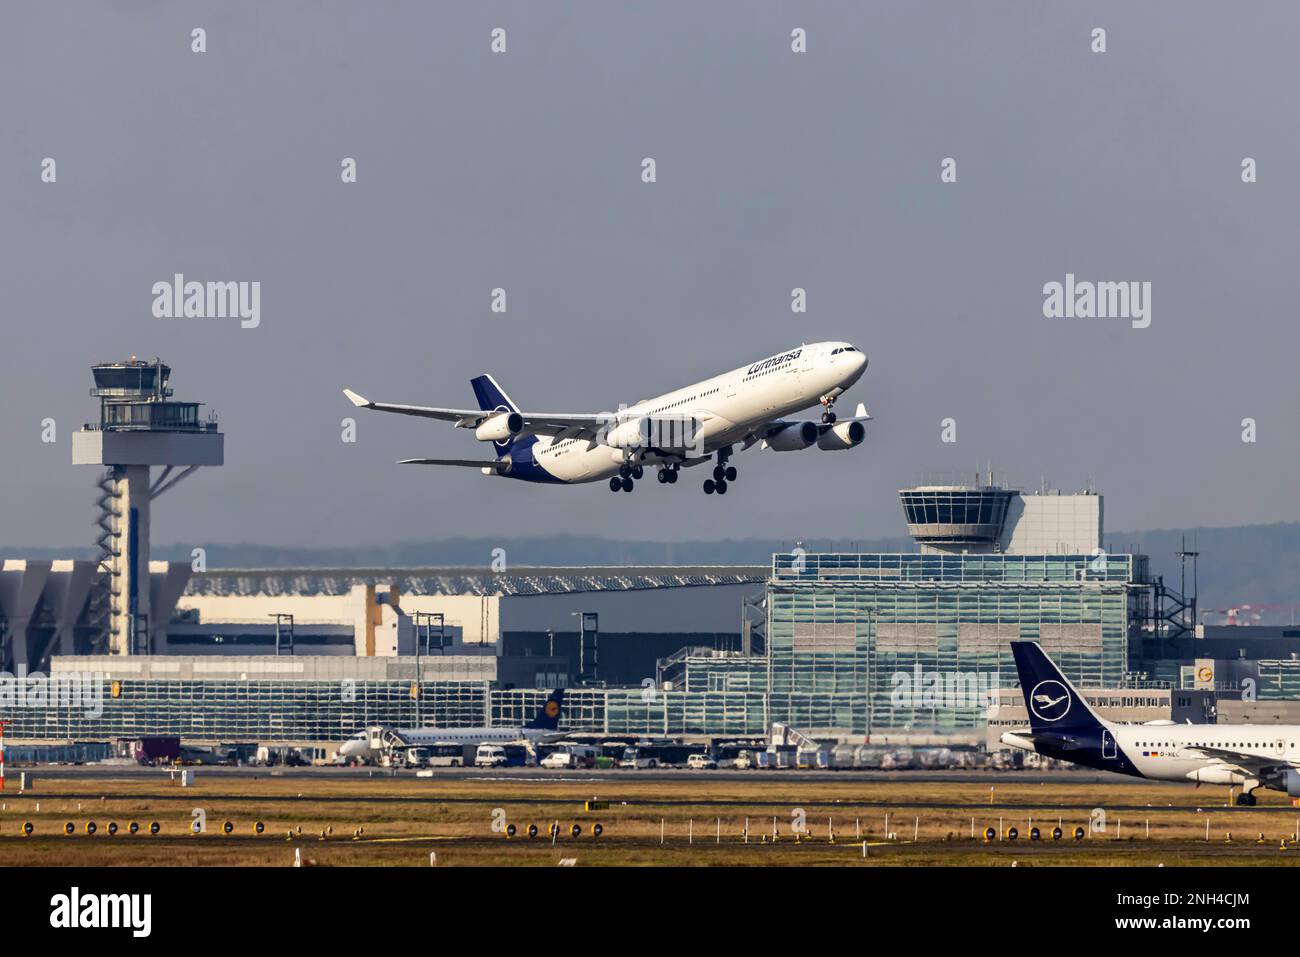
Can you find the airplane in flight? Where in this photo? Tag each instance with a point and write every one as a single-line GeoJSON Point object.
{"type": "Point", "coordinates": [1062, 725]}
{"type": "Point", "coordinates": [686, 427]}
{"type": "Point", "coordinates": [543, 728]}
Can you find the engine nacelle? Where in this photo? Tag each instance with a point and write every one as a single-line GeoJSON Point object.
{"type": "Point", "coordinates": [794, 437]}
{"type": "Point", "coordinates": [630, 434]}
{"type": "Point", "coordinates": [1216, 774]}
{"type": "Point", "coordinates": [844, 435]}
{"type": "Point", "coordinates": [667, 432]}
{"type": "Point", "coordinates": [1291, 781]}
{"type": "Point", "coordinates": [500, 427]}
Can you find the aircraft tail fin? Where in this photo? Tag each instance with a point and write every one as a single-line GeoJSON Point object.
{"type": "Point", "coordinates": [492, 398]}
{"type": "Point", "coordinates": [548, 715]}
{"type": "Point", "coordinates": [1052, 702]}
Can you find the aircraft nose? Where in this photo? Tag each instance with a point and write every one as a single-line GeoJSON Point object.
{"type": "Point", "coordinates": [859, 360]}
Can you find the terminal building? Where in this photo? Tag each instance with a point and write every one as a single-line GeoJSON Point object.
{"type": "Point", "coordinates": [857, 648]}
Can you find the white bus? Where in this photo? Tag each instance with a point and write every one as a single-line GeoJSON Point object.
{"type": "Point", "coordinates": [445, 755]}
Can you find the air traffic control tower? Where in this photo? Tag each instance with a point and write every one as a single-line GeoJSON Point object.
{"type": "Point", "coordinates": [139, 427]}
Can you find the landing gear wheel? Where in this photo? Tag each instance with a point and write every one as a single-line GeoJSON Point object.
{"type": "Point", "coordinates": [719, 473]}
{"type": "Point", "coordinates": [709, 486]}
{"type": "Point", "coordinates": [731, 473]}
{"type": "Point", "coordinates": [828, 418]}
{"type": "Point", "coordinates": [1246, 799]}
{"type": "Point", "coordinates": [721, 488]}
{"type": "Point", "coordinates": [627, 484]}
{"type": "Point", "coordinates": [625, 471]}
{"type": "Point", "coordinates": [637, 471]}
{"type": "Point", "coordinates": [662, 476]}
{"type": "Point", "coordinates": [672, 477]}
{"type": "Point", "coordinates": [616, 484]}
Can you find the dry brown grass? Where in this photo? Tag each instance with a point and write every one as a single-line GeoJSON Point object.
{"type": "Point", "coordinates": [701, 819]}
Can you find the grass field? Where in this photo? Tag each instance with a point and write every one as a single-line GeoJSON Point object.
{"type": "Point", "coordinates": [683, 820]}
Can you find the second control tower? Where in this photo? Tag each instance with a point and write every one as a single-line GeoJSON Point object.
{"type": "Point", "coordinates": [139, 427]}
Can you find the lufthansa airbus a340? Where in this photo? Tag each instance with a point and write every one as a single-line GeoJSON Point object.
{"type": "Point", "coordinates": [702, 422]}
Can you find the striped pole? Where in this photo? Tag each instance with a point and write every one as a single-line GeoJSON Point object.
{"type": "Point", "coordinates": [3, 725]}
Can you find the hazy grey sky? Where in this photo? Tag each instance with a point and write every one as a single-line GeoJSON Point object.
{"type": "Point", "coordinates": [775, 170]}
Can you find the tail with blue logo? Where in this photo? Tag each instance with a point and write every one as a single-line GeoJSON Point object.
{"type": "Point", "coordinates": [492, 398]}
{"type": "Point", "coordinates": [1052, 702]}
{"type": "Point", "coordinates": [548, 715]}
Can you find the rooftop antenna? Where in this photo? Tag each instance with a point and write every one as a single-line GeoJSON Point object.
{"type": "Point", "coordinates": [1183, 555]}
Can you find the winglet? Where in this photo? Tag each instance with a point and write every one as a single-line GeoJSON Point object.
{"type": "Point", "coordinates": [861, 412]}
{"type": "Point", "coordinates": [357, 400]}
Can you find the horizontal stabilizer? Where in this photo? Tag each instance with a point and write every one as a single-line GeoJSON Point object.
{"type": "Point", "coordinates": [464, 463]}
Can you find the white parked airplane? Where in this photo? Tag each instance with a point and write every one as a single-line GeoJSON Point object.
{"type": "Point", "coordinates": [1062, 725]}
{"type": "Point", "coordinates": [544, 727]}
{"type": "Point", "coordinates": [744, 407]}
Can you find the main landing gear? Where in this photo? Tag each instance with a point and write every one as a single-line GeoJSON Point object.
{"type": "Point", "coordinates": [624, 481]}
{"type": "Point", "coordinates": [667, 475]}
{"type": "Point", "coordinates": [1247, 798]}
{"type": "Point", "coordinates": [722, 474]}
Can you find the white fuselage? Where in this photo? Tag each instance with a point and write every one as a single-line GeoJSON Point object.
{"type": "Point", "coordinates": [365, 744]}
{"type": "Point", "coordinates": [1161, 752]}
{"type": "Point", "coordinates": [728, 407]}
{"type": "Point", "coordinates": [426, 736]}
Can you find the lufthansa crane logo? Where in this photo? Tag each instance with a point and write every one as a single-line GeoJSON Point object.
{"type": "Point", "coordinates": [552, 708]}
{"type": "Point", "coordinates": [502, 445]}
{"type": "Point", "coordinates": [1050, 700]}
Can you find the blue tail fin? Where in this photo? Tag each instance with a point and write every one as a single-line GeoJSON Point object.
{"type": "Point", "coordinates": [1051, 700]}
{"type": "Point", "coordinates": [492, 398]}
{"type": "Point", "coordinates": [490, 395]}
{"type": "Point", "coordinates": [548, 715]}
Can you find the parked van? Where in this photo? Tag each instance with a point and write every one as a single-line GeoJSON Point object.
{"type": "Point", "coordinates": [490, 756]}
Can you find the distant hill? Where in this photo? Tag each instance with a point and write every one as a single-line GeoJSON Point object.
{"type": "Point", "coordinates": [1248, 564]}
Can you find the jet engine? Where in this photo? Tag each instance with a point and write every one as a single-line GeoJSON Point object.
{"type": "Point", "coordinates": [629, 434]}
{"type": "Point", "coordinates": [1217, 774]}
{"type": "Point", "coordinates": [844, 435]}
{"type": "Point", "coordinates": [500, 427]}
{"type": "Point", "coordinates": [795, 436]}
{"type": "Point", "coordinates": [1291, 781]}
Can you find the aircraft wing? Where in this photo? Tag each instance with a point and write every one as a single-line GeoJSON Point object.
{"type": "Point", "coordinates": [559, 424]}
{"type": "Point", "coordinates": [1251, 763]}
{"type": "Point", "coordinates": [769, 429]}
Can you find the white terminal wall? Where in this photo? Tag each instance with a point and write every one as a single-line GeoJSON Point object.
{"type": "Point", "coordinates": [1052, 524]}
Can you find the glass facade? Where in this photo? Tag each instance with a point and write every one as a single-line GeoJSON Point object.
{"type": "Point", "coordinates": [1279, 679]}
{"type": "Point", "coordinates": [856, 645]}
{"type": "Point", "coordinates": [863, 644]}
{"type": "Point", "coordinates": [257, 710]}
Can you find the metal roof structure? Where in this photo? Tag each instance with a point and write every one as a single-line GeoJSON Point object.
{"type": "Point", "coordinates": [475, 581]}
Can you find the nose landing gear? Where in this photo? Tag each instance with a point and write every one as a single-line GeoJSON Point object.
{"type": "Point", "coordinates": [828, 403]}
